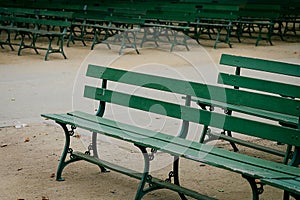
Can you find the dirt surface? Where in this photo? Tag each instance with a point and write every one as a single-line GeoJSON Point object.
{"type": "Point", "coordinates": [30, 146]}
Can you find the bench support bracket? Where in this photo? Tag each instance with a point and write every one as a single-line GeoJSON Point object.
{"type": "Point", "coordinates": [256, 191]}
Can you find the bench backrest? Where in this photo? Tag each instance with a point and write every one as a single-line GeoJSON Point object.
{"type": "Point", "coordinates": [218, 11]}
{"type": "Point", "coordinates": [189, 113]}
{"type": "Point", "coordinates": [36, 23]}
{"type": "Point", "coordinates": [172, 16]}
{"type": "Point", "coordinates": [259, 11]}
{"type": "Point", "coordinates": [284, 71]}
{"type": "Point", "coordinates": [38, 13]}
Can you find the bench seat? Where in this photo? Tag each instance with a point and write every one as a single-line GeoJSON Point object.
{"type": "Point", "coordinates": [255, 168]}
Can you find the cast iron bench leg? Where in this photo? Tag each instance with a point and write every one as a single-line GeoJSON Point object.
{"type": "Point", "coordinates": [141, 192]}
{"type": "Point", "coordinates": [256, 191]}
{"type": "Point", "coordinates": [63, 162]}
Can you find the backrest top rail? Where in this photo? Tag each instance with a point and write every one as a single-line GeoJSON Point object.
{"type": "Point", "coordinates": [261, 65]}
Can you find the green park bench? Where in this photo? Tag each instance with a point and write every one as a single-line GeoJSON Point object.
{"type": "Point", "coordinates": [97, 24]}
{"type": "Point", "coordinates": [290, 17]}
{"type": "Point", "coordinates": [33, 26]}
{"type": "Point", "coordinates": [258, 21]}
{"type": "Point", "coordinates": [177, 144]}
{"type": "Point", "coordinates": [168, 23]}
{"type": "Point", "coordinates": [124, 28]}
{"type": "Point", "coordinates": [213, 19]}
{"type": "Point", "coordinates": [81, 28]}
{"type": "Point", "coordinates": [261, 76]}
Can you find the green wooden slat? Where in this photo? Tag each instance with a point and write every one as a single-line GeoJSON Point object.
{"type": "Point", "coordinates": [259, 84]}
{"type": "Point", "coordinates": [291, 185]}
{"type": "Point", "coordinates": [220, 7]}
{"type": "Point", "coordinates": [59, 23]}
{"type": "Point", "coordinates": [235, 124]}
{"type": "Point", "coordinates": [247, 144]}
{"type": "Point", "coordinates": [230, 96]}
{"type": "Point", "coordinates": [293, 120]}
{"type": "Point", "coordinates": [204, 153]}
{"type": "Point", "coordinates": [261, 65]}
{"type": "Point", "coordinates": [52, 13]}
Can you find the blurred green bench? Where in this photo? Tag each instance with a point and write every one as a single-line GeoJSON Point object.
{"type": "Point", "coordinates": [258, 21]}
{"type": "Point", "coordinates": [31, 24]}
{"type": "Point", "coordinates": [163, 22]}
{"type": "Point", "coordinates": [213, 19]}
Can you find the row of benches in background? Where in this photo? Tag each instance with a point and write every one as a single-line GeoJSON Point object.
{"type": "Point", "coordinates": [99, 21]}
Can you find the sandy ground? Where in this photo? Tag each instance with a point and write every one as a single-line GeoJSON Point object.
{"type": "Point", "coordinates": [31, 147]}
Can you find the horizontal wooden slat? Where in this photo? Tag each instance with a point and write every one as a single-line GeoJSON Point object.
{"type": "Point", "coordinates": [259, 84]}
{"type": "Point", "coordinates": [292, 120]}
{"type": "Point", "coordinates": [291, 185]}
{"type": "Point", "coordinates": [222, 121]}
{"type": "Point", "coordinates": [217, 93]}
{"type": "Point", "coordinates": [261, 65]}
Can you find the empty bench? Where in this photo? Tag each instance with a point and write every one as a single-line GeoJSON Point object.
{"type": "Point", "coordinates": [259, 75]}
{"type": "Point", "coordinates": [152, 97]}
{"type": "Point", "coordinates": [98, 24]}
{"type": "Point", "coordinates": [32, 28]}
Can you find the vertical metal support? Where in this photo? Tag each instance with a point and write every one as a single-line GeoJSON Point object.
{"type": "Point", "coordinates": [185, 124]}
{"type": "Point", "coordinates": [296, 157]}
{"type": "Point", "coordinates": [95, 151]}
{"type": "Point", "coordinates": [259, 37]}
{"type": "Point", "coordinates": [228, 33]}
{"type": "Point", "coordinates": [218, 37]}
{"type": "Point", "coordinates": [8, 40]}
{"type": "Point", "coordinates": [203, 134]}
{"type": "Point", "coordinates": [286, 195]}
{"type": "Point", "coordinates": [270, 33]}
{"type": "Point", "coordinates": [49, 50]}
{"type": "Point", "coordinates": [61, 46]}
{"type": "Point", "coordinates": [235, 149]}
{"type": "Point", "coordinates": [140, 191]}
{"type": "Point", "coordinates": [287, 154]}
{"type": "Point", "coordinates": [255, 190]}
{"type": "Point", "coordinates": [100, 113]}
{"type": "Point", "coordinates": [176, 175]}
{"type": "Point", "coordinates": [102, 104]}
{"type": "Point", "coordinates": [22, 43]}
{"type": "Point", "coordinates": [62, 161]}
